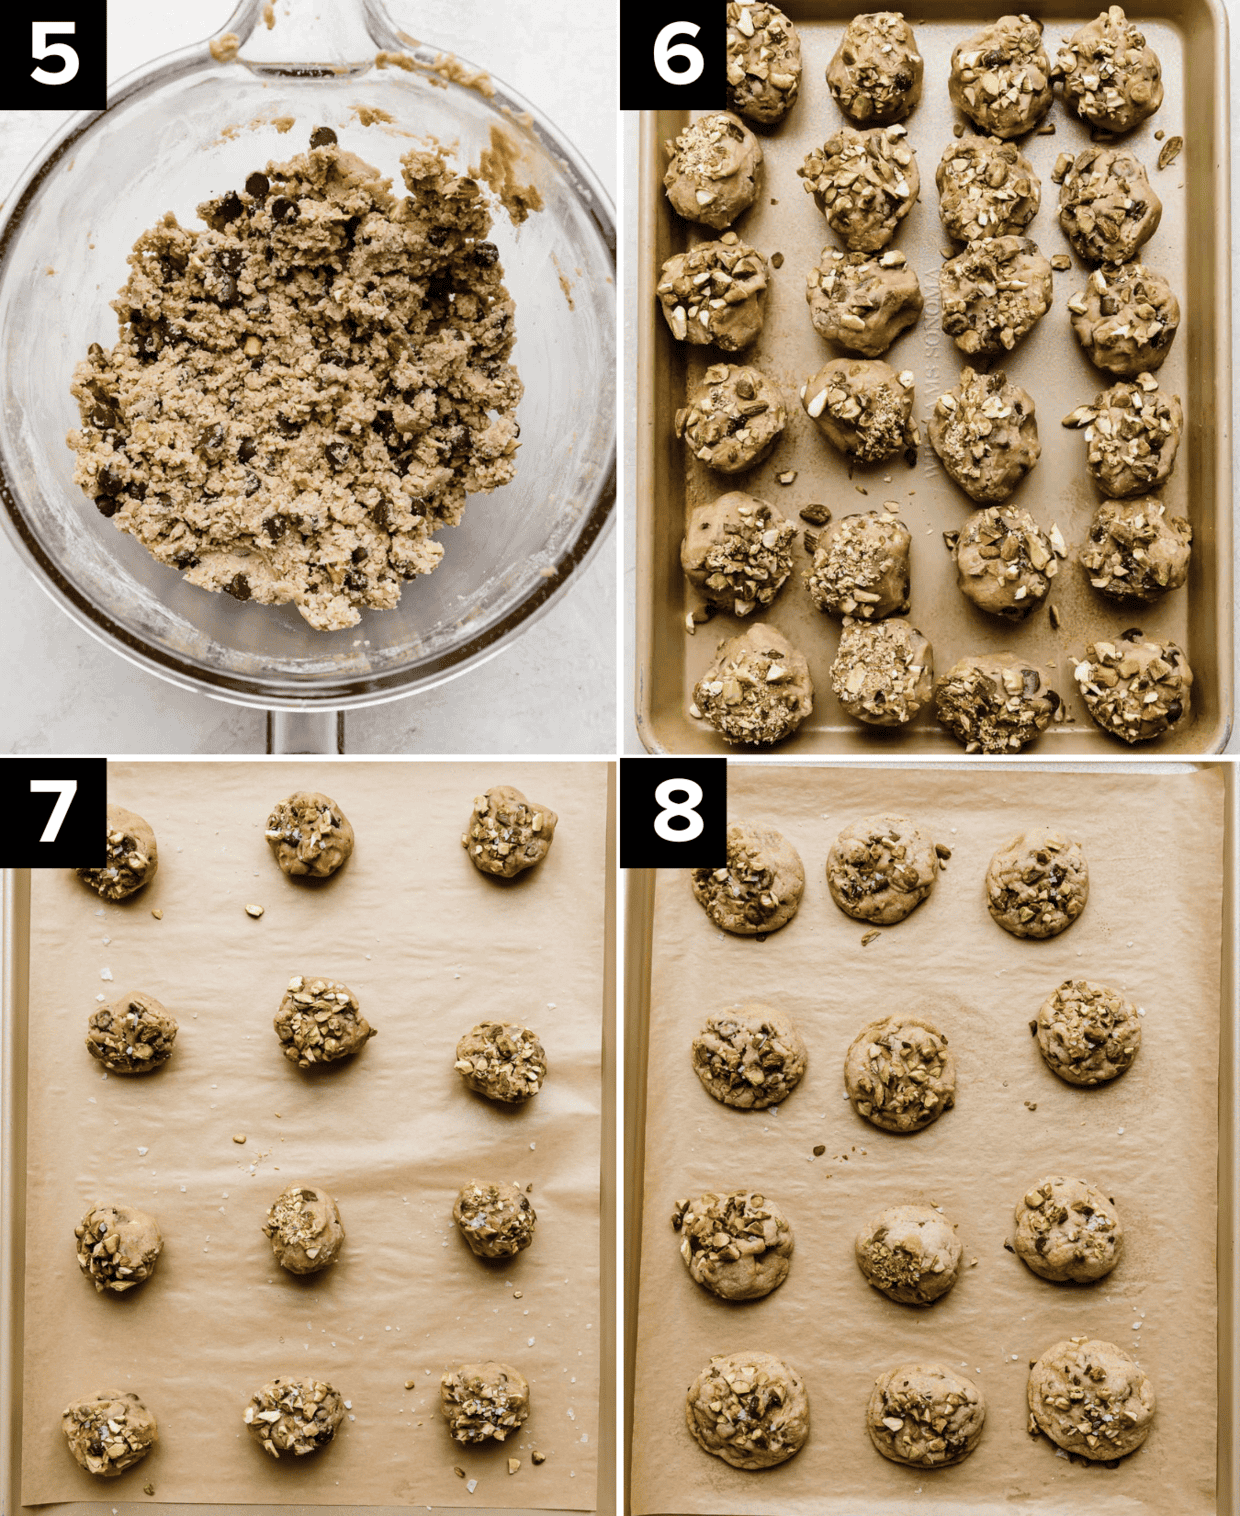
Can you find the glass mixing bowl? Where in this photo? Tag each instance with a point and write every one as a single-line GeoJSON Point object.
{"type": "Point", "coordinates": [190, 127]}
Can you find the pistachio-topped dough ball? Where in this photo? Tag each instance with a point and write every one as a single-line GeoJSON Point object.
{"type": "Point", "coordinates": [118, 1246]}
{"type": "Point", "coordinates": [1125, 319]}
{"type": "Point", "coordinates": [297, 1416]}
{"type": "Point", "coordinates": [862, 407]}
{"type": "Point", "coordinates": [1091, 1398]}
{"type": "Point", "coordinates": [109, 1432]}
{"type": "Point", "coordinates": [735, 1245]}
{"type": "Point", "coordinates": [925, 1415]}
{"type": "Point", "coordinates": [132, 1035]}
{"type": "Point", "coordinates": [750, 1057]}
{"type": "Point", "coordinates": [1106, 206]}
{"type": "Point", "coordinates": [507, 833]}
{"type": "Point", "coordinates": [994, 702]}
{"type": "Point", "coordinates": [1037, 884]}
{"type": "Point", "coordinates": [714, 293]}
{"type": "Point", "coordinates": [1135, 551]}
{"type": "Point", "coordinates": [865, 183]}
{"type": "Point", "coordinates": [909, 1252]}
{"type": "Point", "coordinates": [757, 690]}
{"type": "Point", "coordinates": [1001, 77]}
{"type": "Point", "coordinates": [1133, 431]}
{"type": "Point", "coordinates": [733, 419]}
{"type": "Point", "coordinates": [1088, 1033]}
{"type": "Point", "coordinates": [309, 834]}
{"type": "Point", "coordinates": [1111, 79]}
{"type": "Point", "coordinates": [481, 1401]}
{"type": "Point", "coordinates": [737, 552]}
{"type": "Point", "coordinates": [497, 1220]}
{"type": "Point", "coordinates": [715, 170]}
{"type": "Point", "coordinates": [319, 1021]}
{"type": "Point", "coordinates": [994, 293]}
{"type": "Point", "coordinates": [986, 434]}
{"type": "Point", "coordinates": [883, 672]}
{"type": "Point", "coordinates": [758, 888]}
{"type": "Point", "coordinates": [880, 869]}
{"type": "Point", "coordinates": [764, 61]}
{"type": "Point", "coordinates": [304, 1228]}
{"type": "Point", "coordinates": [862, 302]}
{"type": "Point", "coordinates": [987, 188]}
{"type": "Point", "coordinates": [876, 72]}
{"type": "Point", "coordinates": [1134, 686]}
{"type": "Point", "coordinates": [900, 1074]}
{"type": "Point", "coordinates": [1004, 562]}
{"type": "Point", "coordinates": [861, 567]}
{"type": "Point", "coordinates": [1067, 1230]}
{"type": "Point", "coordinates": [132, 856]}
{"type": "Point", "coordinates": [750, 1409]}
{"type": "Point", "coordinates": [501, 1061]}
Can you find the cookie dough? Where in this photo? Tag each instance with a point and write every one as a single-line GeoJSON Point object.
{"type": "Point", "coordinates": [750, 1409]}
{"type": "Point", "coordinates": [987, 188]}
{"type": "Point", "coordinates": [1091, 1398]}
{"type": "Point", "coordinates": [319, 1022]}
{"type": "Point", "coordinates": [925, 1415]}
{"type": "Point", "coordinates": [304, 1228]}
{"type": "Point", "coordinates": [1088, 1033]}
{"type": "Point", "coordinates": [764, 61]}
{"type": "Point", "coordinates": [759, 888]}
{"type": "Point", "coordinates": [1111, 79]}
{"type": "Point", "coordinates": [880, 869]}
{"type": "Point", "coordinates": [132, 1035]}
{"type": "Point", "coordinates": [861, 567]}
{"type": "Point", "coordinates": [861, 302]}
{"type": "Point", "coordinates": [986, 435]}
{"type": "Point", "coordinates": [506, 833]}
{"type": "Point", "coordinates": [994, 702]}
{"type": "Point", "coordinates": [1037, 884]}
{"type": "Point", "coordinates": [714, 293]}
{"type": "Point", "coordinates": [1135, 551]}
{"type": "Point", "coordinates": [295, 1416]}
{"type": "Point", "coordinates": [900, 1074]}
{"type": "Point", "coordinates": [863, 407]}
{"type": "Point", "coordinates": [865, 183]}
{"type": "Point", "coordinates": [1133, 431]}
{"type": "Point", "coordinates": [715, 170]}
{"type": "Point", "coordinates": [883, 672]}
{"type": "Point", "coordinates": [497, 1220]}
{"type": "Point", "coordinates": [909, 1252]}
{"type": "Point", "coordinates": [994, 293]}
{"type": "Point", "coordinates": [1106, 206]}
{"type": "Point", "coordinates": [501, 1061]}
{"type": "Point", "coordinates": [1001, 77]}
{"type": "Point", "coordinates": [305, 390]}
{"type": "Point", "coordinates": [734, 418]}
{"type": "Point", "coordinates": [1004, 562]}
{"type": "Point", "coordinates": [757, 690]}
{"type": "Point", "coordinates": [750, 1057]}
{"type": "Point", "coordinates": [1068, 1230]}
{"type": "Point", "coordinates": [483, 1400]}
{"type": "Point", "coordinates": [309, 834]}
{"type": "Point", "coordinates": [737, 552]}
{"type": "Point", "coordinates": [735, 1245]}
{"type": "Point", "coordinates": [118, 1246]}
{"type": "Point", "coordinates": [132, 857]}
{"type": "Point", "coordinates": [1135, 687]}
{"type": "Point", "coordinates": [109, 1432]}
{"type": "Point", "coordinates": [876, 72]}
{"type": "Point", "coordinates": [1125, 319]}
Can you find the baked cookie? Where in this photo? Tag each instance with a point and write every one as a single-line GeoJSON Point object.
{"type": "Point", "coordinates": [735, 1245]}
{"type": "Point", "coordinates": [304, 1228]}
{"type": "Point", "coordinates": [1106, 206]}
{"type": "Point", "coordinates": [109, 1432]}
{"type": "Point", "coordinates": [910, 1253]}
{"type": "Point", "coordinates": [1133, 431]}
{"type": "Point", "coordinates": [1091, 1398]}
{"type": "Point", "coordinates": [506, 833]}
{"type": "Point", "coordinates": [118, 1246]}
{"type": "Point", "coordinates": [994, 702]}
{"type": "Point", "coordinates": [1088, 1033]}
{"type": "Point", "coordinates": [501, 1061]}
{"type": "Point", "coordinates": [319, 1021]}
{"type": "Point", "coordinates": [757, 690]}
{"type": "Point", "coordinates": [750, 1409]}
{"type": "Point", "coordinates": [1001, 77]}
{"type": "Point", "coordinates": [714, 292]}
{"type": "Point", "coordinates": [497, 1220]}
{"type": "Point", "coordinates": [1068, 1230]}
{"type": "Point", "coordinates": [1135, 551]}
{"type": "Point", "coordinates": [862, 407]}
{"type": "Point", "coordinates": [309, 834]}
{"type": "Point", "coordinates": [481, 1401]}
{"type": "Point", "coordinates": [987, 188]}
{"type": "Point", "coordinates": [864, 182]}
{"type": "Point", "coordinates": [1037, 885]}
{"type": "Point", "coordinates": [737, 552]}
{"type": "Point", "coordinates": [1134, 687]}
{"type": "Point", "coordinates": [925, 1415]}
{"type": "Point", "coordinates": [749, 1057]}
{"type": "Point", "coordinates": [993, 293]}
{"type": "Point", "coordinates": [715, 170]}
{"type": "Point", "coordinates": [1125, 319]}
{"type": "Point", "coordinates": [295, 1416]}
{"type": "Point", "coordinates": [1111, 79]}
{"type": "Point", "coordinates": [900, 1074]}
{"type": "Point", "coordinates": [759, 888]}
{"type": "Point", "coordinates": [986, 435]}
{"type": "Point", "coordinates": [883, 672]}
{"type": "Point", "coordinates": [132, 857]}
{"type": "Point", "coordinates": [863, 302]}
{"type": "Point", "coordinates": [880, 869]}
{"type": "Point", "coordinates": [1004, 562]}
{"type": "Point", "coordinates": [733, 419]}
{"type": "Point", "coordinates": [861, 567]}
{"type": "Point", "coordinates": [764, 61]}
{"type": "Point", "coordinates": [132, 1035]}
{"type": "Point", "coordinates": [876, 71]}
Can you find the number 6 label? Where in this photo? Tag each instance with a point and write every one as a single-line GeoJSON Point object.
{"type": "Point", "coordinates": [673, 812]}
{"type": "Point", "coordinates": [665, 50]}
{"type": "Point", "coordinates": [678, 64]}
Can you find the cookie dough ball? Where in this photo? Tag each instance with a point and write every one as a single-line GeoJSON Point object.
{"type": "Point", "coordinates": [750, 1057]}
{"type": "Point", "coordinates": [309, 834]}
{"type": "Point", "coordinates": [497, 1220]}
{"type": "Point", "coordinates": [750, 1409]}
{"type": "Point", "coordinates": [733, 419]}
{"type": "Point", "coordinates": [900, 1074]}
{"type": "Point", "coordinates": [993, 293]}
{"type": "Point", "coordinates": [1037, 885]}
{"type": "Point", "coordinates": [876, 72]}
{"type": "Point", "coordinates": [737, 552]}
{"type": "Point", "coordinates": [296, 1416]}
{"type": "Point", "coordinates": [507, 833]}
{"type": "Point", "coordinates": [1125, 319]}
{"type": "Point", "coordinates": [319, 1021]}
{"type": "Point", "coordinates": [1088, 1033]}
{"type": "Point", "coordinates": [861, 567]}
{"type": "Point", "coordinates": [925, 1415]}
{"type": "Point", "coordinates": [483, 1400]}
{"type": "Point", "coordinates": [1111, 79]}
{"type": "Point", "coordinates": [909, 1252]}
{"type": "Point", "coordinates": [1004, 562]}
{"type": "Point", "coordinates": [865, 183]}
{"type": "Point", "coordinates": [118, 1246]}
{"type": "Point", "coordinates": [1001, 77]}
{"type": "Point", "coordinates": [1134, 687]}
{"type": "Point", "coordinates": [883, 673]}
{"type": "Point", "coordinates": [759, 888]}
{"type": "Point", "coordinates": [501, 1061]}
{"type": "Point", "coordinates": [304, 1228]}
{"type": "Point", "coordinates": [715, 170]}
{"type": "Point", "coordinates": [880, 869]}
{"type": "Point", "coordinates": [1068, 1230]}
{"type": "Point", "coordinates": [862, 407]}
{"type": "Point", "coordinates": [987, 188]}
{"type": "Point", "coordinates": [1135, 551]}
{"type": "Point", "coordinates": [994, 703]}
{"type": "Point", "coordinates": [764, 61]}
{"type": "Point", "coordinates": [1091, 1398]}
{"type": "Point", "coordinates": [757, 690]}
{"type": "Point", "coordinates": [132, 857]}
{"type": "Point", "coordinates": [1133, 431]}
{"type": "Point", "coordinates": [132, 1035]}
{"type": "Point", "coordinates": [109, 1432]}
{"type": "Point", "coordinates": [714, 293]}
{"type": "Point", "coordinates": [986, 435]}
{"type": "Point", "coordinates": [737, 1245]}
{"type": "Point", "coordinates": [1106, 206]}
{"type": "Point", "coordinates": [860, 302]}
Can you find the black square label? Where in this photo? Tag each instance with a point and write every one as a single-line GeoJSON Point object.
{"type": "Point", "coordinates": [56, 56]}
{"type": "Point", "coordinates": [674, 56]}
{"type": "Point", "coordinates": [56, 812]}
{"type": "Point", "coordinates": [673, 813]}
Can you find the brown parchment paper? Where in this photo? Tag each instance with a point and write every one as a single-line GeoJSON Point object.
{"type": "Point", "coordinates": [430, 947]}
{"type": "Point", "coordinates": [1152, 928]}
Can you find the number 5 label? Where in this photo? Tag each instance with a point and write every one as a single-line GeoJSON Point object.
{"type": "Point", "coordinates": [673, 812]}
{"type": "Point", "coordinates": [58, 57]}
{"type": "Point", "coordinates": [677, 64]}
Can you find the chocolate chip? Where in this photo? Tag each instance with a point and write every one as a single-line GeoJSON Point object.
{"type": "Point", "coordinates": [95, 352]}
{"type": "Point", "coordinates": [258, 186]}
{"type": "Point", "coordinates": [355, 580]}
{"type": "Point", "coordinates": [486, 254]}
{"type": "Point", "coordinates": [437, 235]}
{"type": "Point", "coordinates": [379, 515]}
{"type": "Point", "coordinates": [322, 136]}
{"type": "Point", "coordinates": [107, 506]}
{"type": "Point", "coordinates": [109, 482]}
{"type": "Point", "coordinates": [338, 454]}
{"type": "Point", "coordinates": [360, 555]}
{"type": "Point", "coordinates": [287, 426]}
{"type": "Point", "coordinates": [230, 259]}
{"type": "Point", "coordinates": [332, 356]}
{"type": "Point", "coordinates": [383, 425]}
{"type": "Point", "coordinates": [283, 209]}
{"type": "Point", "coordinates": [150, 335]}
{"type": "Point", "coordinates": [275, 526]}
{"type": "Point", "coordinates": [246, 449]}
{"type": "Point", "coordinates": [238, 587]}
{"type": "Point", "coordinates": [227, 209]}
{"type": "Point", "coordinates": [213, 438]}
{"type": "Point", "coordinates": [104, 417]}
{"type": "Point", "coordinates": [252, 484]}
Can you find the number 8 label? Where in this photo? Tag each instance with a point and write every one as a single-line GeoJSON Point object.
{"type": "Point", "coordinates": [686, 809]}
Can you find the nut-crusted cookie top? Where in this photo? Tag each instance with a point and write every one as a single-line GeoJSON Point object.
{"type": "Point", "coordinates": [737, 552]}
{"type": "Point", "coordinates": [1038, 884]}
{"type": "Point", "coordinates": [909, 1252]}
{"type": "Point", "coordinates": [925, 1415]}
{"type": "Point", "coordinates": [863, 407]}
{"type": "Point", "coordinates": [987, 188]}
{"type": "Point", "coordinates": [750, 1057]}
{"type": "Point", "coordinates": [735, 1244]}
{"type": "Point", "coordinates": [714, 170]}
{"type": "Point", "coordinates": [900, 1074]}
{"type": "Point", "coordinates": [759, 885]}
{"type": "Point", "coordinates": [994, 703]}
{"type": "Point", "coordinates": [309, 834]}
{"type": "Point", "coordinates": [319, 1021]}
{"type": "Point", "coordinates": [1125, 318]}
{"type": "Point", "coordinates": [292, 1415]}
{"type": "Point", "coordinates": [863, 301]}
{"type": "Point", "coordinates": [1091, 1398]}
{"type": "Point", "coordinates": [1111, 78]}
{"type": "Point", "coordinates": [1135, 687]}
{"type": "Point", "coordinates": [883, 671]}
{"type": "Point", "coordinates": [109, 1432]}
{"type": "Point", "coordinates": [118, 1246]}
{"type": "Point", "coordinates": [733, 418]}
{"type": "Point", "coordinates": [880, 868]}
{"type": "Point", "coordinates": [876, 72]}
{"type": "Point", "coordinates": [495, 1219]}
{"type": "Point", "coordinates": [1133, 432]}
{"type": "Point", "coordinates": [764, 61]}
{"type": "Point", "coordinates": [750, 1409]}
{"type": "Point", "coordinates": [501, 1060]}
{"type": "Point", "coordinates": [1067, 1229]}
{"type": "Point", "coordinates": [131, 859]}
{"type": "Point", "coordinates": [1001, 77]}
{"type": "Point", "coordinates": [1005, 561]}
{"type": "Point", "coordinates": [304, 1229]}
{"type": "Point", "coordinates": [481, 1401]}
{"type": "Point", "coordinates": [714, 293]}
{"type": "Point", "coordinates": [866, 182]}
{"type": "Point", "coordinates": [1135, 551]}
{"type": "Point", "coordinates": [861, 567]}
{"type": "Point", "coordinates": [132, 1035]}
{"type": "Point", "coordinates": [986, 434]}
{"type": "Point", "coordinates": [507, 833]}
{"type": "Point", "coordinates": [757, 690]}
{"type": "Point", "coordinates": [1088, 1033]}
{"type": "Point", "coordinates": [993, 293]}
{"type": "Point", "coordinates": [1106, 206]}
